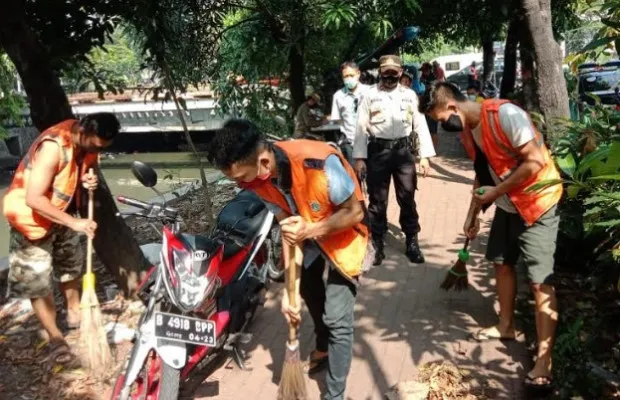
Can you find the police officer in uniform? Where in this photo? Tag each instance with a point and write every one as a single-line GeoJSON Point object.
{"type": "Point", "coordinates": [387, 125]}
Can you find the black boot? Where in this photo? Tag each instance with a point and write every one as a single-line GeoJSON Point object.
{"type": "Point", "coordinates": [413, 252]}
{"type": "Point", "coordinates": [379, 254]}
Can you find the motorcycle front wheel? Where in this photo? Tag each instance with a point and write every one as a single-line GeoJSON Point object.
{"type": "Point", "coordinates": [170, 383]}
{"type": "Point", "coordinates": [157, 380]}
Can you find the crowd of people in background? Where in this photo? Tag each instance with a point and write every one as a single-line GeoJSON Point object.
{"type": "Point", "coordinates": [310, 114]}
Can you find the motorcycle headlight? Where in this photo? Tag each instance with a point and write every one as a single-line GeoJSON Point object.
{"type": "Point", "coordinates": [196, 279]}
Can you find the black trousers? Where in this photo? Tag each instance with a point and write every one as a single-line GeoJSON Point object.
{"type": "Point", "coordinates": [331, 307]}
{"type": "Point", "coordinates": [384, 162]}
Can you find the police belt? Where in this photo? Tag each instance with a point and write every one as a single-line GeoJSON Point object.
{"type": "Point", "coordinates": [390, 144]}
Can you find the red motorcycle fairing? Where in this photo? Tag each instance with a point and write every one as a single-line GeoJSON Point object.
{"type": "Point", "coordinates": [221, 319]}
{"type": "Point", "coordinates": [192, 265]}
{"type": "Point", "coordinates": [230, 266]}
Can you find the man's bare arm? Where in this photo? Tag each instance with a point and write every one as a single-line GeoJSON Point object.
{"type": "Point", "coordinates": [44, 169]}
{"type": "Point", "coordinates": [532, 161]}
{"type": "Point", "coordinates": [474, 206]}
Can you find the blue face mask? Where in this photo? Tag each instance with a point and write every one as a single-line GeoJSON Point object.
{"type": "Point", "coordinates": [350, 83]}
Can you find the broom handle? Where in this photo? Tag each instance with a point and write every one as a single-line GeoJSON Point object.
{"type": "Point", "coordinates": [473, 222]}
{"type": "Point", "coordinates": [89, 242]}
{"type": "Point", "coordinates": [292, 288]}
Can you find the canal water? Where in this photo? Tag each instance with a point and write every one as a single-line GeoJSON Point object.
{"type": "Point", "coordinates": [173, 170]}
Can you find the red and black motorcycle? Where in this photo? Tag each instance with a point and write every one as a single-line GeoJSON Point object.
{"type": "Point", "coordinates": [201, 296]}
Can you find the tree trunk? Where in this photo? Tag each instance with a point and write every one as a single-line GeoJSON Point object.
{"type": "Point", "coordinates": [297, 66]}
{"type": "Point", "coordinates": [509, 76]}
{"type": "Point", "coordinates": [296, 75]}
{"type": "Point", "coordinates": [114, 242]}
{"type": "Point", "coordinates": [550, 83]}
{"type": "Point", "coordinates": [488, 60]}
{"type": "Point", "coordinates": [48, 102]}
{"type": "Point", "coordinates": [529, 100]}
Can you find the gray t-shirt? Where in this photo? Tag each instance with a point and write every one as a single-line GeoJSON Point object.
{"type": "Point", "coordinates": [519, 130]}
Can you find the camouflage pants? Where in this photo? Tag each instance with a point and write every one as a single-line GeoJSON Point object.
{"type": "Point", "coordinates": [32, 264]}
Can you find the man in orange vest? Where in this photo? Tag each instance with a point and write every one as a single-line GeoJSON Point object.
{"type": "Point", "coordinates": [314, 193]}
{"type": "Point", "coordinates": [40, 206]}
{"type": "Point", "coordinates": [509, 156]}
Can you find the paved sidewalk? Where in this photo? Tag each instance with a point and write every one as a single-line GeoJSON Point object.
{"type": "Point", "coordinates": [402, 319]}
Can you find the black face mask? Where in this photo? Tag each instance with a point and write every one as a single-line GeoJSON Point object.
{"type": "Point", "coordinates": [389, 80]}
{"type": "Point", "coordinates": [453, 124]}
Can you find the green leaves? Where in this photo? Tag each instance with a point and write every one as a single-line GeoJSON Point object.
{"type": "Point", "coordinates": [573, 190]}
{"type": "Point", "coordinates": [588, 153]}
{"type": "Point", "coordinates": [339, 13]}
{"type": "Point", "coordinates": [542, 185]}
{"type": "Point", "coordinates": [113, 67]}
{"type": "Point", "coordinates": [615, 177]}
{"type": "Point", "coordinates": [608, 224]}
{"type": "Point", "coordinates": [567, 164]}
{"type": "Point", "coordinates": [11, 104]}
{"type": "Point", "coordinates": [609, 35]}
{"type": "Point", "coordinates": [598, 42]}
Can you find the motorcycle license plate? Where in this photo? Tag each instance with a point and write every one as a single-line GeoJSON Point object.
{"type": "Point", "coordinates": [185, 329]}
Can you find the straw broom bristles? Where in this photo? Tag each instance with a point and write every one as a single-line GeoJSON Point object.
{"type": "Point", "coordinates": [94, 349]}
{"type": "Point", "coordinates": [457, 275]}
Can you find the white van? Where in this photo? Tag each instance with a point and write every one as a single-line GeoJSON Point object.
{"type": "Point", "coordinates": [453, 63]}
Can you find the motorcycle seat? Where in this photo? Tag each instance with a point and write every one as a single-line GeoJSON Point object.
{"type": "Point", "coordinates": [242, 219]}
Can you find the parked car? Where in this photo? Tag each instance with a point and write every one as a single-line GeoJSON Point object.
{"type": "Point", "coordinates": [460, 78]}
{"type": "Point", "coordinates": [600, 80]}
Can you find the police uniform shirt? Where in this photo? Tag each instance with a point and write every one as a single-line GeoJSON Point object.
{"type": "Point", "coordinates": [390, 115]}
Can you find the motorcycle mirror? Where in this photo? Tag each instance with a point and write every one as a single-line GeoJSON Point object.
{"type": "Point", "coordinates": [144, 173]}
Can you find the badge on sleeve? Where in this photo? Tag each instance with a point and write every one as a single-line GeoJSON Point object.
{"type": "Point", "coordinates": [314, 206]}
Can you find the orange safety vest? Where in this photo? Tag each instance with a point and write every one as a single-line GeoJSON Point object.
{"type": "Point", "coordinates": [504, 161]}
{"type": "Point", "coordinates": [300, 173]}
{"type": "Point", "coordinates": [23, 218]}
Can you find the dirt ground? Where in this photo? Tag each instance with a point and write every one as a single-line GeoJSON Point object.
{"type": "Point", "coordinates": [26, 374]}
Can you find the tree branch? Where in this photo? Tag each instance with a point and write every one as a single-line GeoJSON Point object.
{"type": "Point", "coordinates": [220, 35]}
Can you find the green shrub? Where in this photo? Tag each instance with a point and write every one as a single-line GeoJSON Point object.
{"type": "Point", "coordinates": [588, 154]}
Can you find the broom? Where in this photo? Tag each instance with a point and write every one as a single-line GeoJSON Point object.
{"type": "Point", "coordinates": [95, 351]}
{"type": "Point", "coordinates": [292, 382]}
{"type": "Point", "coordinates": [457, 275]}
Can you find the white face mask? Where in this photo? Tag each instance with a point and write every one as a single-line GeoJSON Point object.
{"type": "Point", "coordinates": [350, 82]}
{"type": "Point", "coordinates": [472, 97]}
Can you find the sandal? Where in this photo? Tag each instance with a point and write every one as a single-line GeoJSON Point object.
{"type": "Point", "coordinates": [60, 353]}
{"type": "Point", "coordinates": [480, 336]}
{"type": "Point", "coordinates": [535, 384]}
{"type": "Point", "coordinates": [315, 364]}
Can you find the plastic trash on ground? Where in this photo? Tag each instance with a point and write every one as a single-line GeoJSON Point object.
{"type": "Point", "coordinates": [118, 332]}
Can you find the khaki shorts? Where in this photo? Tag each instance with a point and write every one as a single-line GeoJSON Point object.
{"type": "Point", "coordinates": [510, 239]}
{"type": "Point", "coordinates": [32, 264]}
